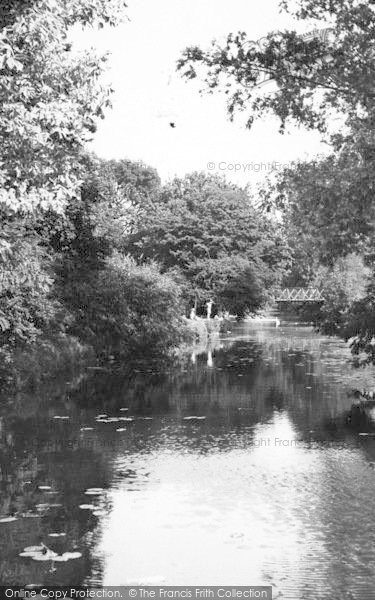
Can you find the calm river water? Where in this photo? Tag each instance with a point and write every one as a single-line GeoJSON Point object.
{"type": "Point", "coordinates": [248, 464]}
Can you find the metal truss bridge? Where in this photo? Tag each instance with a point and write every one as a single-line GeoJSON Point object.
{"type": "Point", "coordinates": [308, 294]}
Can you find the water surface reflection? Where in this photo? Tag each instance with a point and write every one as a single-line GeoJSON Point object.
{"type": "Point", "coordinates": [248, 464]}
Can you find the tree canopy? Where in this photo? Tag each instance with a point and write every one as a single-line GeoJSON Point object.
{"type": "Point", "coordinates": [209, 230]}
{"type": "Point", "coordinates": [311, 75]}
{"type": "Point", "coordinates": [51, 97]}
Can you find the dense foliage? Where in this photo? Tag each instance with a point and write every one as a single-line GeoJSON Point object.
{"type": "Point", "coordinates": [51, 96]}
{"type": "Point", "coordinates": [342, 285]}
{"type": "Point", "coordinates": [310, 74]}
{"type": "Point", "coordinates": [209, 233]}
{"type": "Point", "coordinates": [111, 300]}
{"type": "Point", "coordinates": [132, 312]}
{"type": "Point", "coordinates": [101, 252]}
{"type": "Point", "coordinates": [26, 285]}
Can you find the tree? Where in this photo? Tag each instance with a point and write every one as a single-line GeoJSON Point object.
{"type": "Point", "coordinates": [342, 286]}
{"type": "Point", "coordinates": [140, 181]}
{"type": "Point", "coordinates": [327, 206]}
{"type": "Point", "coordinates": [360, 325]}
{"type": "Point", "coordinates": [311, 75]}
{"type": "Point", "coordinates": [238, 285]}
{"type": "Point", "coordinates": [95, 225]}
{"type": "Point", "coordinates": [133, 312]}
{"type": "Point", "coordinates": [27, 305]}
{"type": "Point", "coordinates": [51, 98]}
{"type": "Point", "coordinates": [202, 224]}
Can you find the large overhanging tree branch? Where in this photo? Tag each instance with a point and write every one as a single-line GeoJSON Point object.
{"type": "Point", "coordinates": [50, 95]}
{"type": "Point", "coordinates": [306, 76]}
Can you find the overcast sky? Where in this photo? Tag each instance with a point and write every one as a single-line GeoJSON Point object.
{"type": "Point", "coordinates": [149, 94]}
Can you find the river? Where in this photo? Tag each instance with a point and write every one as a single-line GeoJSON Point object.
{"type": "Point", "coordinates": [249, 464]}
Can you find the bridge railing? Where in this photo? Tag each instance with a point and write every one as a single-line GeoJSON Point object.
{"type": "Point", "coordinates": [309, 294]}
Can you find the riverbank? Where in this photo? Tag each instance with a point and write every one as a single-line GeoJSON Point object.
{"type": "Point", "coordinates": [49, 358]}
{"type": "Point", "coordinates": [45, 360]}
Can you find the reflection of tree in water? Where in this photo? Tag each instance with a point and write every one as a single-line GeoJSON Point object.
{"type": "Point", "coordinates": [254, 375]}
{"type": "Point", "coordinates": [244, 384]}
{"type": "Point", "coordinates": [175, 389]}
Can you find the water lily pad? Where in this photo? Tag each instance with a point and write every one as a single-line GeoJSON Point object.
{"type": "Point", "coordinates": [45, 557]}
{"type": "Point", "coordinates": [39, 548]}
{"type": "Point", "coordinates": [42, 506]}
{"type": "Point", "coordinates": [7, 519]}
{"type": "Point", "coordinates": [42, 553]}
{"type": "Point", "coordinates": [67, 556]}
{"type": "Point", "coordinates": [191, 418]}
{"type": "Point", "coordinates": [94, 491]}
{"type": "Point", "coordinates": [39, 553]}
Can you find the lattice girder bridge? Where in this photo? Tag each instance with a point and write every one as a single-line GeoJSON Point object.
{"type": "Point", "coordinates": [309, 294]}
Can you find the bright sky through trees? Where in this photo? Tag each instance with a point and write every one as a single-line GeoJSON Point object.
{"type": "Point", "coordinates": [149, 94]}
